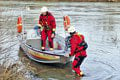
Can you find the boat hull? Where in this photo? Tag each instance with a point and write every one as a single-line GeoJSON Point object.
{"type": "Point", "coordinates": [41, 56]}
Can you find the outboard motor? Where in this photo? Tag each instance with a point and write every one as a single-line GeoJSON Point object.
{"type": "Point", "coordinates": [37, 29]}
{"type": "Point", "coordinates": [67, 43]}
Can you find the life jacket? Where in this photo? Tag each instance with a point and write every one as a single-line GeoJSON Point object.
{"type": "Point", "coordinates": [81, 44]}
{"type": "Point", "coordinates": [47, 21]}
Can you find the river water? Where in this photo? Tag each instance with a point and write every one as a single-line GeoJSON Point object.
{"type": "Point", "coordinates": [99, 22]}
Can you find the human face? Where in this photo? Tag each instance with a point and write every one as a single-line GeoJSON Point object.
{"type": "Point", "coordinates": [44, 13]}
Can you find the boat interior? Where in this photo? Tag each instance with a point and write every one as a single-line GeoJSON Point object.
{"type": "Point", "coordinates": [59, 45]}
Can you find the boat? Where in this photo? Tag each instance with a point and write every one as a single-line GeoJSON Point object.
{"type": "Point", "coordinates": [30, 43]}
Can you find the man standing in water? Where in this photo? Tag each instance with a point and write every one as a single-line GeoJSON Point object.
{"type": "Point", "coordinates": [48, 26]}
{"type": "Point", "coordinates": [78, 48]}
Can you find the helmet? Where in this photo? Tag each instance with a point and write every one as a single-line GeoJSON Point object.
{"type": "Point", "coordinates": [44, 9]}
{"type": "Point", "coordinates": [71, 29]}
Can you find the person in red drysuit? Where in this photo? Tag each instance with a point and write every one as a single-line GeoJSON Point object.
{"type": "Point", "coordinates": [78, 49]}
{"type": "Point", "coordinates": [47, 24]}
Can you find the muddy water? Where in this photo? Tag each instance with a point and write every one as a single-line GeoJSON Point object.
{"type": "Point", "coordinates": [99, 22]}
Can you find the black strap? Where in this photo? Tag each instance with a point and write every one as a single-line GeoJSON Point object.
{"type": "Point", "coordinates": [80, 60]}
{"type": "Point", "coordinates": [84, 44]}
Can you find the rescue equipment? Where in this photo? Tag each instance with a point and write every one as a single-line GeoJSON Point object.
{"type": "Point", "coordinates": [71, 29]}
{"type": "Point", "coordinates": [31, 47]}
{"type": "Point", "coordinates": [44, 9]}
{"type": "Point", "coordinates": [66, 22]}
{"type": "Point", "coordinates": [83, 43]}
{"type": "Point", "coordinates": [19, 25]}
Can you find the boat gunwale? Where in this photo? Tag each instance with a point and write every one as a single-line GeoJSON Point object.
{"type": "Point", "coordinates": [37, 50]}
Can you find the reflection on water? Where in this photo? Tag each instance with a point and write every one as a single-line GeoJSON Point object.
{"type": "Point", "coordinates": [99, 22]}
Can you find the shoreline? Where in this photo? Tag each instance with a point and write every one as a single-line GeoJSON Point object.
{"type": "Point", "coordinates": [68, 0]}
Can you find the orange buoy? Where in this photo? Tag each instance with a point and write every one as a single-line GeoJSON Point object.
{"type": "Point", "coordinates": [19, 25]}
{"type": "Point", "coordinates": [66, 22]}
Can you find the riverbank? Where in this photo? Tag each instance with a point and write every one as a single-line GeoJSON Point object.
{"type": "Point", "coordinates": [83, 0]}
{"type": "Point", "coordinates": [68, 0]}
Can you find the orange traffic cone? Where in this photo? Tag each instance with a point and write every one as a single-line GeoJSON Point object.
{"type": "Point", "coordinates": [19, 25]}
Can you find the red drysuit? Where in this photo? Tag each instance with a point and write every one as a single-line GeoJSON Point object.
{"type": "Point", "coordinates": [49, 25]}
{"type": "Point", "coordinates": [78, 51]}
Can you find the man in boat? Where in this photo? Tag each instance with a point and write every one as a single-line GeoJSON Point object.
{"type": "Point", "coordinates": [47, 24]}
{"type": "Point", "coordinates": [78, 49]}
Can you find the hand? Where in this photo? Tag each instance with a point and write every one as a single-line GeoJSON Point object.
{"type": "Point", "coordinates": [67, 55]}
{"type": "Point", "coordinates": [70, 55]}
{"type": "Point", "coordinates": [53, 35]}
{"type": "Point", "coordinates": [39, 25]}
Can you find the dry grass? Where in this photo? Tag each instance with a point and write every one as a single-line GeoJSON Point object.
{"type": "Point", "coordinates": [80, 0]}
{"type": "Point", "coordinates": [12, 73]}
{"type": "Point", "coordinates": [73, 0]}
{"type": "Point", "coordinates": [17, 71]}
